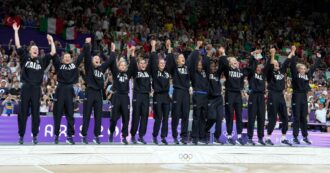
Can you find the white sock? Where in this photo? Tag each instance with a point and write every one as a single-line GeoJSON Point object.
{"type": "Point", "coordinates": [239, 136]}
{"type": "Point", "coordinates": [268, 137]}
{"type": "Point", "coordinates": [283, 137]}
{"type": "Point", "coordinates": [229, 137]}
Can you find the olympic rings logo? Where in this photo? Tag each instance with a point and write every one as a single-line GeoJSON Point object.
{"type": "Point", "coordinates": [185, 156]}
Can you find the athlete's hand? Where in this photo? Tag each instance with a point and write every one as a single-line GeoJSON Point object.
{"type": "Point", "coordinates": [50, 39]}
{"type": "Point", "coordinates": [88, 40]}
{"type": "Point", "coordinates": [222, 51]}
{"type": "Point", "coordinates": [153, 43]}
{"type": "Point", "coordinates": [199, 44]}
{"type": "Point", "coordinates": [132, 50]}
{"type": "Point", "coordinates": [16, 26]}
{"type": "Point", "coordinates": [113, 47]}
{"type": "Point", "coordinates": [272, 51]}
{"type": "Point", "coordinates": [293, 49]}
{"type": "Point", "coordinates": [168, 45]}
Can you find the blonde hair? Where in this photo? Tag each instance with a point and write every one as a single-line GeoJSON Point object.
{"type": "Point", "coordinates": [230, 59]}
{"type": "Point", "coordinates": [122, 60]}
{"type": "Point", "coordinates": [299, 65]}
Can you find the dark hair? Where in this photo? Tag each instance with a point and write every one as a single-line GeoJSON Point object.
{"type": "Point", "coordinates": [213, 61]}
{"type": "Point", "coordinates": [30, 46]}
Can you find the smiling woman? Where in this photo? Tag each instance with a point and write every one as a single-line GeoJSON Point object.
{"type": "Point", "coordinates": [32, 74]}
{"type": "Point", "coordinates": [34, 51]}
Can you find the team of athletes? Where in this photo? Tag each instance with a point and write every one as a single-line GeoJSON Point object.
{"type": "Point", "coordinates": [197, 71]}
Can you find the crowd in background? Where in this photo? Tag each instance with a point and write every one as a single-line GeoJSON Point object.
{"type": "Point", "coordinates": [239, 26]}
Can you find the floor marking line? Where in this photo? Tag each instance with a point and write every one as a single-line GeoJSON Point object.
{"type": "Point", "coordinates": [42, 168]}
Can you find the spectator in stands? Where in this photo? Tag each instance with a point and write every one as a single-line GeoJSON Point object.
{"type": "Point", "coordinates": [82, 93]}
{"type": "Point", "coordinates": [99, 36]}
{"type": "Point", "coordinates": [15, 89]}
{"type": "Point", "coordinates": [4, 90]}
{"type": "Point", "coordinates": [44, 105]}
{"type": "Point", "coordinates": [8, 105]}
{"type": "Point", "coordinates": [321, 112]}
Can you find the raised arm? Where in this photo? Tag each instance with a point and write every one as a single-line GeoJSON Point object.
{"type": "Point", "coordinates": [272, 56]}
{"type": "Point", "coordinates": [153, 59]}
{"type": "Point", "coordinates": [87, 54]}
{"type": "Point", "coordinates": [269, 67]}
{"type": "Point", "coordinates": [293, 64]}
{"type": "Point", "coordinates": [17, 41]}
{"type": "Point", "coordinates": [52, 45]}
{"type": "Point", "coordinates": [82, 54]}
{"type": "Point", "coordinates": [132, 67]}
{"type": "Point", "coordinates": [286, 63]}
{"type": "Point", "coordinates": [251, 69]}
{"type": "Point", "coordinates": [223, 63]}
{"type": "Point", "coordinates": [51, 55]}
{"type": "Point", "coordinates": [112, 56]}
{"type": "Point", "coordinates": [193, 58]}
{"type": "Point", "coordinates": [207, 59]}
{"type": "Point", "coordinates": [170, 61]}
{"type": "Point", "coordinates": [21, 52]}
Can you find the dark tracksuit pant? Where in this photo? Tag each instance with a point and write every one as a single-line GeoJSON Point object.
{"type": "Point", "coordinates": [180, 109]}
{"type": "Point", "coordinates": [161, 107]}
{"type": "Point", "coordinates": [233, 105]}
{"type": "Point", "coordinates": [64, 103]}
{"type": "Point", "coordinates": [93, 100]}
{"type": "Point", "coordinates": [140, 113]}
{"type": "Point", "coordinates": [300, 112]}
{"type": "Point", "coordinates": [256, 110]}
{"type": "Point", "coordinates": [121, 106]}
{"type": "Point", "coordinates": [215, 115]}
{"type": "Point", "coordinates": [200, 102]}
{"type": "Point", "coordinates": [30, 98]}
{"type": "Point", "coordinates": [276, 105]}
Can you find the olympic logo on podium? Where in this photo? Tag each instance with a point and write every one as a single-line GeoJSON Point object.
{"type": "Point", "coordinates": [185, 156]}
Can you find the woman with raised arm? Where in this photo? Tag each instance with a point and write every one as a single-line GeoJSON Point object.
{"type": "Point", "coordinates": [67, 75]}
{"type": "Point", "coordinates": [161, 98]}
{"type": "Point", "coordinates": [141, 94]}
{"type": "Point", "coordinates": [215, 103]}
{"type": "Point", "coordinates": [233, 97]}
{"type": "Point", "coordinates": [198, 74]}
{"type": "Point", "coordinates": [256, 102]}
{"type": "Point", "coordinates": [95, 84]}
{"type": "Point", "coordinates": [300, 86]}
{"type": "Point", "coordinates": [122, 73]}
{"type": "Point", "coordinates": [181, 97]}
{"type": "Point", "coordinates": [276, 103]}
{"type": "Point", "coordinates": [32, 71]}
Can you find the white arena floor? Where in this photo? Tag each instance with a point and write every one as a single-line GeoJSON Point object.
{"type": "Point", "coordinates": [151, 158]}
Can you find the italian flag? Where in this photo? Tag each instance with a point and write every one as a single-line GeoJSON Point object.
{"type": "Point", "coordinates": [69, 33]}
{"type": "Point", "coordinates": [56, 26]}
{"type": "Point", "coordinates": [52, 25]}
{"type": "Point", "coordinates": [72, 48]}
